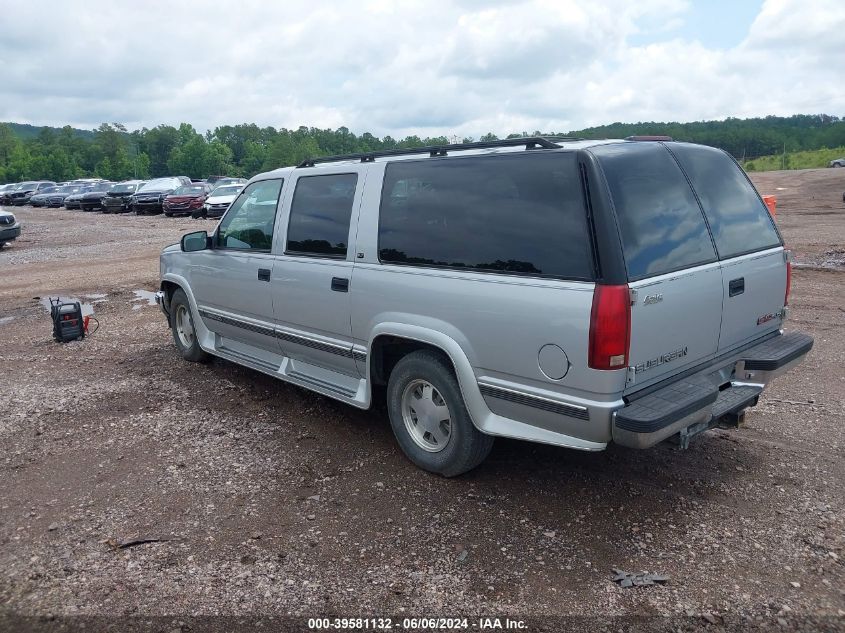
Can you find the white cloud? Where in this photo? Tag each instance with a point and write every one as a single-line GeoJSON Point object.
{"type": "Point", "coordinates": [460, 67]}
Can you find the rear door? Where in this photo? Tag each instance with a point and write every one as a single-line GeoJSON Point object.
{"type": "Point", "coordinates": [748, 244]}
{"type": "Point", "coordinates": [312, 279]}
{"type": "Point", "coordinates": [672, 267]}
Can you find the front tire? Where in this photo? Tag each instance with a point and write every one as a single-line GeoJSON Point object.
{"type": "Point", "coordinates": [429, 417]}
{"type": "Point", "coordinates": [182, 326]}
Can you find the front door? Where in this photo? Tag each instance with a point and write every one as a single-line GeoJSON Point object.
{"type": "Point", "coordinates": [312, 279]}
{"type": "Point", "coordinates": [231, 281]}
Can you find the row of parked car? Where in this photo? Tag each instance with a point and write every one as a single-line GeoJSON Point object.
{"type": "Point", "coordinates": [171, 195]}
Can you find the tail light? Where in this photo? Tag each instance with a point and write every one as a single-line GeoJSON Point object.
{"type": "Point", "coordinates": [610, 327]}
{"type": "Point", "coordinates": [788, 282]}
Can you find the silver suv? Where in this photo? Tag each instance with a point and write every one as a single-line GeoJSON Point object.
{"type": "Point", "coordinates": [561, 291]}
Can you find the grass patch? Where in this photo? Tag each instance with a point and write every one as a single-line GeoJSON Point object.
{"type": "Point", "coordinates": [810, 159]}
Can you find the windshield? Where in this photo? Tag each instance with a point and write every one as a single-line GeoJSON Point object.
{"type": "Point", "coordinates": [227, 190]}
{"type": "Point", "coordinates": [188, 190]}
{"type": "Point", "coordinates": [27, 185]}
{"type": "Point", "coordinates": [100, 188]}
{"type": "Point", "coordinates": [67, 189]}
{"type": "Point", "coordinates": [123, 188]}
{"type": "Point", "coordinates": [49, 189]}
{"type": "Point", "coordinates": [160, 184]}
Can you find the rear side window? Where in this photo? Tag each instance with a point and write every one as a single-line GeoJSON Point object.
{"type": "Point", "coordinates": [660, 222]}
{"type": "Point", "coordinates": [514, 213]}
{"type": "Point", "coordinates": [320, 215]}
{"type": "Point", "coordinates": [738, 219]}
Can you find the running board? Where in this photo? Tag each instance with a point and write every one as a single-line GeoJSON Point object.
{"type": "Point", "coordinates": [349, 389]}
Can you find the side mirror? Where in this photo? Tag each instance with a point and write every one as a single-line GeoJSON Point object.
{"type": "Point", "coordinates": [196, 241]}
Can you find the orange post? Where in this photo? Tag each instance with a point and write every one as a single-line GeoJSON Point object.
{"type": "Point", "coordinates": [772, 203]}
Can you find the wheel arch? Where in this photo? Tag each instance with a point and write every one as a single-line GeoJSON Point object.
{"type": "Point", "coordinates": [391, 341]}
{"type": "Point", "coordinates": [169, 284]}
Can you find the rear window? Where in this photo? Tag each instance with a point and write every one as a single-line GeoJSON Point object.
{"type": "Point", "coordinates": [660, 222]}
{"type": "Point", "coordinates": [515, 213]}
{"type": "Point", "coordinates": [738, 219]}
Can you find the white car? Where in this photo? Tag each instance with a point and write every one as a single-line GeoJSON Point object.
{"type": "Point", "coordinates": [218, 201]}
{"type": "Point", "coordinates": [10, 228]}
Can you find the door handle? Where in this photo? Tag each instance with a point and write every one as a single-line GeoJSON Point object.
{"type": "Point", "coordinates": [263, 274]}
{"type": "Point", "coordinates": [736, 287]}
{"type": "Point", "coordinates": [340, 284]}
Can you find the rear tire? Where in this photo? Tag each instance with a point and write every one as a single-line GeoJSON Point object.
{"type": "Point", "coordinates": [182, 327]}
{"type": "Point", "coordinates": [429, 417]}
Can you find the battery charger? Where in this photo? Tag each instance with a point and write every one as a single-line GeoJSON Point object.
{"type": "Point", "coordinates": [68, 324]}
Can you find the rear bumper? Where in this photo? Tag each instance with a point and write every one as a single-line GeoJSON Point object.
{"type": "Point", "coordinates": [709, 397]}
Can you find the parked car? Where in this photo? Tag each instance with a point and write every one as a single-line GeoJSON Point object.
{"type": "Point", "coordinates": [6, 193]}
{"type": "Point", "coordinates": [10, 228]}
{"type": "Point", "coordinates": [74, 200]}
{"type": "Point", "coordinates": [229, 181]}
{"type": "Point", "coordinates": [577, 294]}
{"type": "Point", "coordinates": [218, 201]}
{"type": "Point", "coordinates": [838, 162]}
{"type": "Point", "coordinates": [217, 181]}
{"type": "Point", "coordinates": [24, 191]}
{"type": "Point", "coordinates": [57, 198]}
{"type": "Point", "coordinates": [186, 199]}
{"type": "Point", "coordinates": [149, 198]}
{"type": "Point", "coordinates": [92, 199]}
{"type": "Point", "coordinates": [40, 199]}
{"type": "Point", "coordinates": [117, 198]}
{"type": "Point", "coordinates": [5, 190]}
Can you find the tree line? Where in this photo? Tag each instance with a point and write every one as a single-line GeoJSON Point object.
{"type": "Point", "coordinates": [113, 152]}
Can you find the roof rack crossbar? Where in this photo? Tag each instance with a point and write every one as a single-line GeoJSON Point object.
{"type": "Point", "coordinates": [530, 142]}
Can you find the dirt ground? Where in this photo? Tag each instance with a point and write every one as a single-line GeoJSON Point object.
{"type": "Point", "coordinates": [249, 497]}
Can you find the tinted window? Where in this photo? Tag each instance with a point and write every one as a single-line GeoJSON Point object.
{"type": "Point", "coordinates": [319, 215]}
{"type": "Point", "coordinates": [248, 224]}
{"type": "Point", "coordinates": [660, 222]}
{"type": "Point", "coordinates": [738, 219]}
{"type": "Point", "coordinates": [514, 213]}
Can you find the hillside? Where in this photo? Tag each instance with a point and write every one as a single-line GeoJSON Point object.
{"type": "Point", "coordinates": [25, 131]}
{"type": "Point", "coordinates": [110, 151]}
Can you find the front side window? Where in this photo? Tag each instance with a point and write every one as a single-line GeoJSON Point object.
{"type": "Point", "coordinates": [248, 224]}
{"type": "Point", "coordinates": [661, 225]}
{"type": "Point", "coordinates": [320, 214]}
{"type": "Point", "coordinates": [738, 219]}
{"type": "Point", "coordinates": [516, 213]}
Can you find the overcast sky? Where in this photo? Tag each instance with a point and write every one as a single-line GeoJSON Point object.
{"type": "Point", "coordinates": [425, 67]}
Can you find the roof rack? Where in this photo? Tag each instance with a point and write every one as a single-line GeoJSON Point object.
{"type": "Point", "coordinates": [649, 137]}
{"type": "Point", "coordinates": [530, 142]}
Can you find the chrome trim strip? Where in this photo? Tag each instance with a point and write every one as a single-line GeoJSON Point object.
{"type": "Point", "coordinates": [297, 339]}
{"type": "Point", "coordinates": [258, 329]}
{"type": "Point", "coordinates": [538, 402]}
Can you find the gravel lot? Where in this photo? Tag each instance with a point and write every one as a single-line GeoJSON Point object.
{"type": "Point", "coordinates": [258, 498]}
